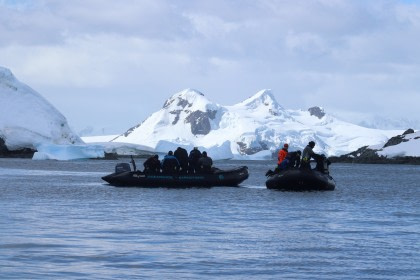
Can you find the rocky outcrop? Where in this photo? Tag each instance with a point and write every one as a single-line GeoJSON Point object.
{"type": "Point", "coordinates": [200, 121]}
{"type": "Point", "coordinates": [20, 153]}
{"type": "Point", "coordinates": [398, 139]}
{"type": "Point", "coordinates": [246, 150]}
{"type": "Point", "coordinates": [317, 112]}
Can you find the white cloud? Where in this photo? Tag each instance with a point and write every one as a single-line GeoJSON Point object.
{"type": "Point", "coordinates": [336, 54]}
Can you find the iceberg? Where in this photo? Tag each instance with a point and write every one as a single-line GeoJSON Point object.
{"type": "Point", "coordinates": [28, 119]}
{"type": "Point", "coordinates": [68, 152]}
{"type": "Point", "coordinates": [85, 151]}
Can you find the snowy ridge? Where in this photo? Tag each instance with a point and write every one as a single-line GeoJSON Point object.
{"type": "Point", "coordinates": [409, 146]}
{"type": "Point", "coordinates": [254, 128]}
{"type": "Point", "coordinates": [27, 119]}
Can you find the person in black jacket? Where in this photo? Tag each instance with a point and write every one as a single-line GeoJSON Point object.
{"type": "Point", "coordinates": [182, 155]}
{"type": "Point", "coordinates": [152, 165]}
{"type": "Point", "coordinates": [293, 159]}
{"type": "Point", "coordinates": [193, 158]}
{"type": "Point", "coordinates": [170, 163]}
{"type": "Point", "coordinates": [205, 163]}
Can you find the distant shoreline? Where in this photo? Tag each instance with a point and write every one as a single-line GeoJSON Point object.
{"type": "Point", "coordinates": [376, 160]}
{"type": "Point", "coordinates": [28, 153]}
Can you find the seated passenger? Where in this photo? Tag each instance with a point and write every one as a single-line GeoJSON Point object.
{"type": "Point", "coordinates": [152, 165]}
{"type": "Point", "coordinates": [282, 155]}
{"type": "Point", "coordinates": [182, 156]}
{"type": "Point", "coordinates": [292, 160]}
{"type": "Point", "coordinates": [193, 158]}
{"type": "Point", "coordinates": [205, 163]}
{"type": "Point", "coordinates": [170, 163]}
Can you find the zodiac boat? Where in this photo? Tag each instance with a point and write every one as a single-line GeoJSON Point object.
{"type": "Point", "coordinates": [124, 176]}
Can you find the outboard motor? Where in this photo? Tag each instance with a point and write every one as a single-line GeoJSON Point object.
{"type": "Point", "coordinates": [122, 167]}
{"type": "Point", "coordinates": [325, 164]}
{"type": "Point", "coordinates": [322, 164]}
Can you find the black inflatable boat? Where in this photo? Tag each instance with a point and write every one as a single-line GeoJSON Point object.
{"type": "Point", "coordinates": [300, 180]}
{"type": "Point", "coordinates": [123, 176]}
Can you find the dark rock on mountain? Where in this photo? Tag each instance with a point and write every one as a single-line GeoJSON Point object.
{"type": "Point", "coordinates": [245, 150]}
{"type": "Point", "coordinates": [398, 139]}
{"type": "Point", "coordinates": [317, 112]}
{"type": "Point", "coordinates": [200, 121]}
{"type": "Point", "coordinates": [181, 101]}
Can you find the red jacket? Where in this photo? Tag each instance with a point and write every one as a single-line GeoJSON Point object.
{"type": "Point", "coordinates": [282, 155]}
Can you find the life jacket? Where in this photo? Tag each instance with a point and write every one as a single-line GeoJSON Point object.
{"type": "Point", "coordinates": [281, 156]}
{"type": "Point", "coordinates": [307, 154]}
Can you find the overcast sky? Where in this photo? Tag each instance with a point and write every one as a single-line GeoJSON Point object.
{"type": "Point", "coordinates": [107, 65]}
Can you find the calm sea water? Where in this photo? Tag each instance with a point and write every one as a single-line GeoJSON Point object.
{"type": "Point", "coordinates": [58, 220]}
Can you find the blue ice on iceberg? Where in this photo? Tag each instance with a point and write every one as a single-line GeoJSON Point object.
{"type": "Point", "coordinates": [68, 152]}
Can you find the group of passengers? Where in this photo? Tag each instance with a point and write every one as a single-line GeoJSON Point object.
{"type": "Point", "coordinates": [180, 162]}
{"type": "Point", "coordinates": [288, 159]}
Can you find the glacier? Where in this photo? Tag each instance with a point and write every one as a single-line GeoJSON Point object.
{"type": "Point", "coordinates": [254, 128]}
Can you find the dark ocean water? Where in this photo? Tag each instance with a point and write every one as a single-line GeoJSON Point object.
{"type": "Point", "coordinates": [58, 220]}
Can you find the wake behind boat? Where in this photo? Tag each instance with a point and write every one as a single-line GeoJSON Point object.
{"type": "Point", "coordinates": [124, 176]}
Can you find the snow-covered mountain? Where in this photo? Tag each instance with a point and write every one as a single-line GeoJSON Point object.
{"type": "Point", "coordinates": [254, 128]}
{"type": "Point", "coordinates": [27, 119]}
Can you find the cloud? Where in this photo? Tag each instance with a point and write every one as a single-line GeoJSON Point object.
{"type": "Point", "coordinates": [343, 55]}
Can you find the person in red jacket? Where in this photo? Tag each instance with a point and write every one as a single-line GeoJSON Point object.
{"type": "Point", "coordinates": [282, 154]}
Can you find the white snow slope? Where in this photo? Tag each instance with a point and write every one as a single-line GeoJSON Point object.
{"type": "Point", "coordinates": [27, 119]}
{"type": "Point", "coordinates": [409, 147]}
{"type": "Point", "coordinates": [253, 129]}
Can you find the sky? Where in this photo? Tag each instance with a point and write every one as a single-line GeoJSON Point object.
{"type": "Point", "coordinates": [108, 65]}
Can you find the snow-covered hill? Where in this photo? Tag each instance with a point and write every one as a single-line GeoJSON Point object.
{"type": "Point", "coordinates": [253, 129]}
{"type": "Point", "coordinates": [27, 119]}
{"type": "Point", "coordinates": [405, 145]}
{"type": "Point", "coordinates": [404, 148]}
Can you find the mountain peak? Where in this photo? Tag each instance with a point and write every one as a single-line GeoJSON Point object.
{"type": "Point", "coordinates": [6, 74]}
{"type": "Point", "coordinates": [190, 92]}
{"type": "Point", "coordinates": [264, 99]}
{"type": "Point", "coordinates": [185, 98]}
